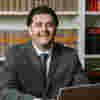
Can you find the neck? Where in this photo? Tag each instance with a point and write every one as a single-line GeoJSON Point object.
{"type": "Point", "coordinates": [43, 48]}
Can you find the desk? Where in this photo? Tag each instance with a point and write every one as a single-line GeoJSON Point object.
{"type": "Point", "coordinates": [90, 92]}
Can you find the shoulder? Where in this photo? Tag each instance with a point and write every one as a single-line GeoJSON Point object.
{"type": "Point", "coordinates": [65, 50]}
{"type": "Point", "coordinates": [67, 53]}
{"type": "Point", "coordinates": [17, 49]}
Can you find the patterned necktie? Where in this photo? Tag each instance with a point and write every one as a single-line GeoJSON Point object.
{"type": "Point", "coordinates": [44, 58]}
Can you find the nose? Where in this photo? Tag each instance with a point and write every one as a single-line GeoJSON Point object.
{"type": "Point", "coordinates": [44, 28]}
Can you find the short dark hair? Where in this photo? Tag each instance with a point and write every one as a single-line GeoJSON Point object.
{"type": "Point", "coordinates": [41, 9]}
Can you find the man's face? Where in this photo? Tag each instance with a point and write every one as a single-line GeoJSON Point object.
{"type": "Point", "coordinates": [43, 29]}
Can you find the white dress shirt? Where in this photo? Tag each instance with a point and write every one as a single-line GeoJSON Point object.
{"type": "Point", "coordinates": [49, 52]}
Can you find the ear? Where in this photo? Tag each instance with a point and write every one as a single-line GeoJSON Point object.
{"type": "Point", "coordinates": [28, 30]}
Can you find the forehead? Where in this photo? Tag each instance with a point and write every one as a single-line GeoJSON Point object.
{"type": "Point", "coordinates": [42, 18]}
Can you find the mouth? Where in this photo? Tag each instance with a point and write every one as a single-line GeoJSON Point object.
{"type": "Point", "coordinates": [44, 37]}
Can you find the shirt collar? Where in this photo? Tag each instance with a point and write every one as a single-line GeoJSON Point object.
{"type": "Point", "coordinates": [38, 51]}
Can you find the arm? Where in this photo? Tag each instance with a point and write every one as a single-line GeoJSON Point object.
{"type": "Point", "coordinates": [79, 76]}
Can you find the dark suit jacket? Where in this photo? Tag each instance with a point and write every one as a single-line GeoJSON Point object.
{"type": "Point", "coordinates": [65, 70]}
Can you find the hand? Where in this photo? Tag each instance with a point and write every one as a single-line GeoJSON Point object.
{"type": "Point", "coordinates": [34, 98]}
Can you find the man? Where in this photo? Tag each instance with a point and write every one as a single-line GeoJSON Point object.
{"type": "Point", "coordinates": [62, 67]}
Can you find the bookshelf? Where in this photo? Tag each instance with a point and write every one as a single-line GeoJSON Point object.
{"type": "Point", "coordinates": [22, 13]}
{"type": "Point", "coordinates": [92, 13]}
{"type": "Point", "coordinates": [13, 15]}
{"type": "Point", "coordinates": [92, 38]}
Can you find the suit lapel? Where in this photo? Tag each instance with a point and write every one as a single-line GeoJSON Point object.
{"type": "Point", "coordinates": [32, 57]}
{"type": "Point", "coordinates": [53, 68]}
{"type": "Point", "coordinates": [54, 62]}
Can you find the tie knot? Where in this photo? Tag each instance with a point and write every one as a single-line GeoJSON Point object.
{"type": "Point", "coordinates": [44, 57]}
{"type": "Point", "coordinates": [44, 54]}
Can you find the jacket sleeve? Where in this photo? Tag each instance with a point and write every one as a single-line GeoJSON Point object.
{"type": "Point", "coordinates": [79, 75]}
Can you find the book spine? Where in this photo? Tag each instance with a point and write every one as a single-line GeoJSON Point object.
{"type": "Point", "coordinates": [17, 5]}
{"type": "Point", "coordinates": [89, 5]}
{"type": "Point", "coordinates": [22, 5]}
{"type": "Point", "coordinates": [91, 40]}
{"type": "Point", "coordinates": [33, 3]}
{"type": "Point", "coordinates": [68, 37]}
{"type": "Point", "coordinates": [46, 2]}
{"type": "Point", "coordinates": [67, 5]}
{"type": "Point", "coordinates": [59, 5]}
{"type": "Point", "coordinates": [29, 5]}
{"type": "Point", "coordinates": [50, 3]}
{"type": "Point", "coordinates": [75, 5]}
{"type": "Point", "coordinates": [6, 5]}
{"type": "Point", "coordinates": [26, 6]}
{"type": "Point", "coordinates": [54, 4]}
{"type": "Point", "coordinates": [36, 3]}
{"type": "Point", "coordinates": [98, 8]}
{"type": "Point", "coordinates": [11, 5]}
{"type": "Point", "coordinates": [1, 5]}
{"type": "Point", "coordinates": [94, 5]}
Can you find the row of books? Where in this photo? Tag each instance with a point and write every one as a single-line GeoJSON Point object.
{"type": "Point", "coordinates": [94, 5]}
{"type": "Point", "coordinates": [15, 5]}
{"type": "Point", "coordinates": [17, 37]}
{"type": "Point", "coordinates": [93, 68]}
{"type": "Point", "coordinates": [93, 64]}
{"type": "Point", "coordinates": [25, 5]}
{"type": "Point", "coordinates": [67, 37]}
{"type": "Point", "coordinates": [92, 40]}
{"type": "Point", "coordinates": [63, 35]}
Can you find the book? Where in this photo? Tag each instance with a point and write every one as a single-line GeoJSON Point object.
{"type": "Point", "coordinates": [93, 68]}
{"type": "Point", "coordinates": [93, 64]}
{"type": "Point", "coordinates": [80, 92]}
{"type": "Point", "coordinates": [11, 4]}
{"type": "Point", "coordinates": [37, 3]}
{"type": "Point", "coordinates": [3, 44]}
{"type": "Point", "coordinates": [33, 3]}
{"type": "Point", "coordinates": [23, 7]}
{"type": "Point", "coordinates": [45, 2]}
{"type": "Point", "coordinates": [6, 5]}
{"type": "Point", "coordinates": [68, 37]}
{"type": "Point", "coordinates": [92, 40]}
{"type": "Point", "coordinates": [75, 5]}
{"type": "Point", "coordinates": [1, 5]}
{"type": "Point", "coordinates": [17, 5]}
{"type": "Point", "coordinates": [92, 5]}
{"type": "Point", "coordinates": [29, 4]}
{"type": "Point", "coordinates": [98, 5]}
{"type": "Point", "coordinates": [59, 5]}
{"type": "Point", "coordinates": [54, 4]}
{"type": "Point", "coordinates": [50, 3]}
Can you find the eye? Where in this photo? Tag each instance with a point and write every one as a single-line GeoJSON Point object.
{"type": "Point", "coordinates": [38, 24]}
{"type": "Point", "coordinates": [50, 25]}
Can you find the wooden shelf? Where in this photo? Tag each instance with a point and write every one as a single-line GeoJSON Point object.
{"type": "Point", "coordinates": [13, 13]}
{"type": "Point", "coordinates": [73, 26]}
{"type": "Point", "coordinates": [93, 13]}
{"type": "Point", "coordinates": [92, 56]}
{"type": "Point", "coordinates": [26, 13]}
{"type": "Point", "coordinates": [67, 12]}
